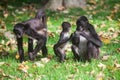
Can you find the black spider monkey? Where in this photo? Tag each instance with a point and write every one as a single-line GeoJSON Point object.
{"type": "Point", "coordinates": [59, 47]}
{"type": "Point", "coordinates": [35, 28]}
{"type": "Point", "coordinates": [85, 41]}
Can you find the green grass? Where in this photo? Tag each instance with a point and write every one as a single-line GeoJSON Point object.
{"type": "Point", "coordinates": [70, 69]}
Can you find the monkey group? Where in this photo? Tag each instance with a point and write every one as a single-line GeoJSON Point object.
{"type": "Point", "coordinates": [85, 41]}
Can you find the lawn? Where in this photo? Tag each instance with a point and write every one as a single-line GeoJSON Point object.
{"type": "Point", "coordinates": [104, 15]}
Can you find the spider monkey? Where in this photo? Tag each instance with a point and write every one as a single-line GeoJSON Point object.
{"type": "Point", "coordinates": [59, 47]}
{"type": "Point", "coordinates": [85, 41]}
{"type": "Point", "coordinates": [34, 28]}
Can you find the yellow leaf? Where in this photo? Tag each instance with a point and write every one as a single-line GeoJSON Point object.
{"type": "Point", "coordinates": [23, 67]}
{"type": "Point", "coordinates": [17, 56]}
{"type": "Point", "coordinates": [105, 40]}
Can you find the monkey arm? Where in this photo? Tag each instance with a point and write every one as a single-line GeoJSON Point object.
{"type": "Point", "coordinates": [94, 36]}
{"type": "Point", "coordinates": [20, 48]}
{"type": "Point", "coordinates": [92, 39]}
{"type": "Point", "coordinates": [62, 42]}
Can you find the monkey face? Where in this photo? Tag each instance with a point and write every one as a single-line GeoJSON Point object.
{"type": "Point", "coordinates": [18, 33]}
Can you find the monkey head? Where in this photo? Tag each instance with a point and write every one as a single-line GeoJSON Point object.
{"type": "Point", "coordinates": [66, 26]}
{"type": "Point", "coordinates": [82, 22]}
{"type": "Point", "coordinates": [19, 30]}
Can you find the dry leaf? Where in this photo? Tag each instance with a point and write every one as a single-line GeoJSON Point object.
{"type": "Point", "coordinates": [102, 66]}
{"type": "Point", "coordinates": [5, 14]}
{"type": "Point", "coordinates": [45, 60]}
{"type": "Point", "coordinates": [38, 64]}
{"type": "Point", "coordinates": [118, 49]}
{"type": "Point", "coordinates": [49, 56]}
{"type": "Point", "coordinates": [111, 29]}
{"type": "Point", "coordinates": [51, 34]}
{"type": "Point", "coordinates": [102, 25]}
{"type": "Point", "coordinates": [100, 76]}
{"type": "Point", "coordinates": [19, 11]}
{"type": "Point", "coordinates": [115, 35]}
{"type": "Point", "coordinates": [2, 63]}
{"type": "Point", "coordinates": [92, 72]}
{"type": "Point", "coordinates": [109, 18]}
{"type": "Point", "coordinates": [106, 40]}
{"type": "Point", "coordinates": [61, 8]}
{"type": "Point", "coordinates": [23, 67]}
{"type": "Point", "coordinates": [17, 56]}
{"type": "Point", "coordinates": [9, 35]}
{"type": "Point", "coordinates": [116, 65]}
{"type": "Point", "coordinates": [106, 57]}
{"type": "Point", "coordinates": [92, 1]}
{"type": "Point", "coordinates": [17, 79]}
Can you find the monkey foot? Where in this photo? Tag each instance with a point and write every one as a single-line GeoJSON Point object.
{"type": "Point", "coordinates": [31, 56]}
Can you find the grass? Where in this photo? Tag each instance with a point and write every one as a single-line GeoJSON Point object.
{"type": "Point", "coordinates": [70, 69]}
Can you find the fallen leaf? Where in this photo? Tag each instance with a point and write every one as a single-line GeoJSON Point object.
{"type": "Point", "coordinates": [102, 66]}
{"type": "Point", "coordinates": [61, 8]}
{"type": "Point", "coordinates": [92, 2]}
{"type": "Point", "coordinates": [17, 56]}
{"type": "Point", "coordinates": [45, 60]}
{"type": "Point", "coordinates": [9, 35]}
{"type": "Point", "coordinates": [118, 49]}
{"type": "Point", "coordinates": [51, 34]}
{"type": "Point", "coordinates": [71, 77]}
{"type": "Point", "coordinates": [100, 76]}
{"type": "Point", "coordinates": [23, 67]}
{"type": "Point", "coordinates": [106, 40]}
{"type": "Point", "coordinates": [105, 57]}
{"type": "Point", "coordinates": [2, 63]}
{"type": "Point", "coordinates": [111, 29]}
{"type": "Point", "coordinates": [117, 65]}
{"type": "Point", "coordinates": [19, 11]}
{"type": "Point", "coordinates": [5, 14]}
{"type": "Point", "coordinates": [49, 56]}
{"type": "Point", "coordinates": [38, 64]}
{"type": "Point", "coordinates": [17, 79]}
{"type": "Point", "coordinates": [92, 72]}
{"type": "Point", "coordinates": [109, 18]}
{"type": "Point", "coordinates": [115, 35]}
{"type": "Point", "coordinates": [102, 25]}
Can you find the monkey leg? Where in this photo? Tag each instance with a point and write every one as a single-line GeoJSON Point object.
{"type": "Point", "coordinates": [20, 48]}
{"type": "Point", "coordinates": [30, 48]}
{"type": "Point", "coordinates": [62, 54]}
{"type": "Point", "coordinates": [93, 51]}
{"type": "Point", "coordinates": [56, 51]}
{"type": "Point", "coordinates": [39, 46]}
{"type": "Point", "coordinates": [44, 50]}
{"type": "Point", "coordinates": [75, 52]}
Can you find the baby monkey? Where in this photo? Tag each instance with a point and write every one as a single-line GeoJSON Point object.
{"type": "Point", "coordinates": [59, 47]}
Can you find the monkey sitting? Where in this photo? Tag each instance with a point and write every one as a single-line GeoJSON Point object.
{"type": "Point", "coordinates": [59, 47]}
{"type": "Point", "coordinates": [85, 41]}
